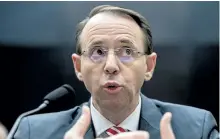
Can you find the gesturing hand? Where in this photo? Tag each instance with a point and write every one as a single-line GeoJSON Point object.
{"type": "Point", "coordinates": [3, 132]}
{"type": "Point", "coordinates": [166, 131]}
{"type": "Point", "coordinates": [79, 129]}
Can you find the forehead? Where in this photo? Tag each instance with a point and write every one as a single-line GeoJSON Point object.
{"type": "Point", "coordinates": [105, 27]}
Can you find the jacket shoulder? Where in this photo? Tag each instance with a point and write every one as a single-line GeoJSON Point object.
{"type": "Point", "coordinates": [179, 109]}
{"type": "Point", "coordinates": [47, 125]}
{"type": "Point", "coordinates": [53, 116]}
{"type": "Point", "coordinates": [188, 119]}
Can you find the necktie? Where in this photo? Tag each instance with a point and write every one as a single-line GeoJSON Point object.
{"type": "Point", "coordinates": [115, 130]}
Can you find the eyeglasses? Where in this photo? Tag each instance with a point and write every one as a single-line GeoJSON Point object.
{"type": "Point", "coordinates": [124, 54]}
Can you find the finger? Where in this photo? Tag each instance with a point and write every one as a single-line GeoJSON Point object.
{"type": "Point", "coordinates": [131, 135]}
{"type": "Point", "coordinates": [81, 126]}
{"type": "Point", "coordinates": [165, 127]}
{"type": "Point", "coordinates": [3, 132]}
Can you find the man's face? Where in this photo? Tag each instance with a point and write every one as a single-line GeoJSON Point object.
{"type": "Point", "coordinates": [113, 83]}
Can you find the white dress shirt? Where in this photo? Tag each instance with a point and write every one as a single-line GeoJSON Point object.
{"type": "Point", "coordinates": [101, 124]}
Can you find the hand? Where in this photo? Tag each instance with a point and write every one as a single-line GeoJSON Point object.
{"type": "Point", "coordinates": [166, 131]}
{"type": "Point", "coordinates": [79, 129]}
{"type": "Point", "coordinates": [3, 132]}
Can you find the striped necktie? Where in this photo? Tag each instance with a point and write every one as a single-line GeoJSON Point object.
{"type": "Point", "coordinates": [115, 130]}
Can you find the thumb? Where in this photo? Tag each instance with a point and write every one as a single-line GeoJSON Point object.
{"type": "Point", "coordinates": [81, 126]}
{"type": "Point", "coordinates": [3, 132]}
{"type": "Point", "coordinates": [165, 127]}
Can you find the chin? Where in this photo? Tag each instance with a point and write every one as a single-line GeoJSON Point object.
{"type": "Point", "coordinates": [114, 104]}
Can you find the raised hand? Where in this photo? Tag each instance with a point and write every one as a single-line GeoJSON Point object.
{"type": "Point", "coordinates": [79, 129]}
{"type": "Point", "coordinates": [166, 131]}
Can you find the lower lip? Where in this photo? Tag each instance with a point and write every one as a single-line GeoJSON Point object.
{"type": "Point", "coordinates": [113, 90]}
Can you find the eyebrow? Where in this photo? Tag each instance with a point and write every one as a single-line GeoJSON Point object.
{"type": "Point", "coordinates": [97, 42]}
{"type": "Point", "coordinates": [125, 41]}
{"type": "Point", "coordinates": [100, 42]}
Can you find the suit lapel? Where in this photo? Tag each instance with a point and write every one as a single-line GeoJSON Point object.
{"type": "Point", "coordinates": [90, 134]}
{"type": "Point", "coordinates": [150, 118]}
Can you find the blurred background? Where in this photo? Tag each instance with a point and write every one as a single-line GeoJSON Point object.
{"type": "Point", "coordinates": [37, 40]}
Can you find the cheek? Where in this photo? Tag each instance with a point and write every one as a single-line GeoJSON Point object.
{"type": "Point", "coordinates": [91, 75]}
{"type": "Point", "coordinates": [134, 75]}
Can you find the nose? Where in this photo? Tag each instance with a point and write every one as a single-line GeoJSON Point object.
{"type": "Point", "coordinates": [111, 66]}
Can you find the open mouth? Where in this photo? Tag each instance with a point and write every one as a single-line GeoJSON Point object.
{"type": "Point", "coordinates": [112, 87]}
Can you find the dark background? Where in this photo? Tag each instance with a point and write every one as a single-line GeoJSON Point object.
{"type": "Point", "coordinates": [37, 40]}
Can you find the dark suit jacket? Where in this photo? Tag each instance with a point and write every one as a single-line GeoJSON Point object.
{"type": "Point", "coordinates": [187, 122]}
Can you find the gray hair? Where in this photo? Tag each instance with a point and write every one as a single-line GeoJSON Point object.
{"type": "Point", "coordinates": [139, 19]}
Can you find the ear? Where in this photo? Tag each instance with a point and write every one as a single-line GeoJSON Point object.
{"type": "Point", "coordinates": [77, 65]}
{"type": "Point", "coordinates": [151, 64]}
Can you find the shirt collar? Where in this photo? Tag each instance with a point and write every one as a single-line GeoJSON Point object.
{"type": "Point", "coordinates": [101, 124]}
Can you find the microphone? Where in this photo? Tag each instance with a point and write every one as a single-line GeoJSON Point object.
{"type": "Point", "coordinates": [52, 96]}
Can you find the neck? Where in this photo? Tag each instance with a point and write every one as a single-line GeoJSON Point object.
{"type": "Point", "coordinates": [117, 115]}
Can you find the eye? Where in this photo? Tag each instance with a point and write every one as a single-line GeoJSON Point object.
{"type": "Point", "coordinates": [98, 51]}
{"type": "Point", "coordinates": [126, 51]}
{"type": "Point", "coordinates": [97, 54]}
{"type": "Point", "coordinates": [125, 54]}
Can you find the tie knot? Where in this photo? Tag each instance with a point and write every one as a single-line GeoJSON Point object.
{"type": "Point", "coordinates": [115, 130]}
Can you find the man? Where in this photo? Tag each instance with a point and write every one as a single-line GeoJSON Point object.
{"type": "Point", "coordinates": [114, 57]}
